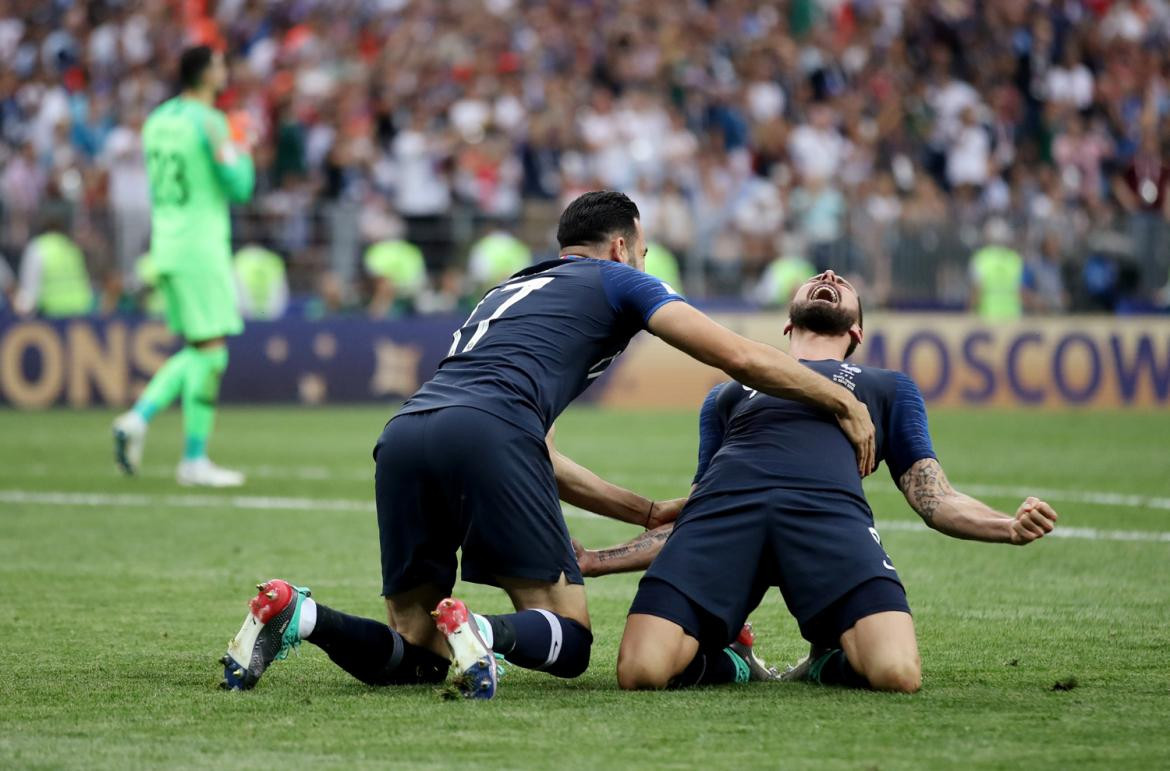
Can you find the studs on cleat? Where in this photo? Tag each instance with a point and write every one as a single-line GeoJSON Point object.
{"type": "Point", "coordinates": [484, 685]}
{"type": "Point", "coordinates": [482, 663]}
{"type": "Point", "coordinates": [434, 614]}
{"type": "Point", "coordinates": [238, 673]}
{"type": "Point", "coordinates": [225, 660]}
{"type": "Point", "coordinates": [270, 594]}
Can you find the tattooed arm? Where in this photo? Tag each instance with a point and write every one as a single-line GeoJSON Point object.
{"type": "Point", "coordinates": [949, 511]}
{"type": "Point", "coordinates": [636, 554]}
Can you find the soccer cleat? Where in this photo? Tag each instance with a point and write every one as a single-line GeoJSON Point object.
{"type": "Point", "coordinates": [129, 439]}
{"type": "Point", "coordinates": [269, 632]}
{"type": "Point", "coordinates": [802, 669]}
{"type": "Point", "coordinates": [742, 647]}
{"type": "Point", "coordinates": [201, 472]}
{"type": "Point", "coordinates": [473, 658]}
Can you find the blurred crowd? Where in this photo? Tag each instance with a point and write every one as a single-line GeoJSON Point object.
{"type": "Point", "coordinates": [896, 141]}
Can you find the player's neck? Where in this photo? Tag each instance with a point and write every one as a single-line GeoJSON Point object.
{"type": "Point", "coordinates": [581, 251]}
{"type": "Point", "coordinates": [202, 95]}
{"type": "Point", "coordinates": [813, 347]}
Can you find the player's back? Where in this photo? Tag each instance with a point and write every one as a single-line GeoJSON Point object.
{"type": "Point", "coordinates": [539, 339]}
{"type": "Point", "coordinates": [770, 443]}
{"type": "Point", "coordinates": [190, 221]}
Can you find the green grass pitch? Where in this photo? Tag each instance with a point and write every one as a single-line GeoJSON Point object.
{"type": "Point", "coordinates": [112, 615]}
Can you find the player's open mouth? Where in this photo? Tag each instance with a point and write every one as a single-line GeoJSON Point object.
{"type": "Point", "coordinates": [826, 292]}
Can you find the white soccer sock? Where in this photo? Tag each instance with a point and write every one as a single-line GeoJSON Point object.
{"type": "Point", "coordinates": [308, 620]}
{"type": "Point", "coordinates": [485, 629]}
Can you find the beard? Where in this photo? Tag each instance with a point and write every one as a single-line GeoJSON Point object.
{"type": "Point", "coordinates": [821, 318]}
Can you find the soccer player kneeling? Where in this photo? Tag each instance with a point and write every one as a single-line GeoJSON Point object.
{"type": "Point", "coordinates": [467, 466]}
{"type": "Point", "coordinates": [778, 501]}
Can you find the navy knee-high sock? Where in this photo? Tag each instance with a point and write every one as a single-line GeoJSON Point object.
{"type": "Point", "coordinates": [833, 668]}
{"type": "Point", "coordinates": [373, 652]}
{"type": "Point", "coordinates": [713, 667]}
{"type": "Point", "coordinates": [540, 639]}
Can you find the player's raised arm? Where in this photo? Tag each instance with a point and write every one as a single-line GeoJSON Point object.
{"type": "Point", "coordinates": [766, 369]}
{"type": "Point", "coordinates": [929, 492]}
{"type": "Point", "coordinates": [578, 486]}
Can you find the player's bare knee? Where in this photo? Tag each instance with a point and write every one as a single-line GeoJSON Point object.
{"type": "Point", "coordinates": [900, 675]}
{"type": "Point", "coordinates": [642, 673]}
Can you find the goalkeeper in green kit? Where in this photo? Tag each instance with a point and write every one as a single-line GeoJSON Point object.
{"type": "Point", "coordinates": [195, 171]}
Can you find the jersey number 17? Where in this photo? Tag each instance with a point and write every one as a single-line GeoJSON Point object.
{"type": "Point", "coordinates": [507, 296]}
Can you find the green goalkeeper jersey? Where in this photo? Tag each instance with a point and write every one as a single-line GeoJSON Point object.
{"type": "Point", "coordinates": [195, 172]}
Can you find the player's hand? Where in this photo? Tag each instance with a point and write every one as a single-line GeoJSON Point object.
{"type": "Point", "coordinates": [858, 426]}
{"type": "Point", "coordinates": [1034, 519]}
{"type": "Point", "coordinates": [664, 512]}
{"type": "Point", "coordinates": [586, 560]}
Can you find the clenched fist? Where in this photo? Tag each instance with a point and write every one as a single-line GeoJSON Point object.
{"type": "Point", "coordinates": [1034, 519]}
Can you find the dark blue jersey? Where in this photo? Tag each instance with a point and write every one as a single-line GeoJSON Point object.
{"type": "Point", "coordinates": [536, 341]}
{"type": "Point", "coordinates": [749, 441]}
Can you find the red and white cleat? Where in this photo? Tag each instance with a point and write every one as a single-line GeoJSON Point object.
{"type": "Point", "coordinates": [473, 657]}
{"type": "Point", "coordinates": [758, 670]}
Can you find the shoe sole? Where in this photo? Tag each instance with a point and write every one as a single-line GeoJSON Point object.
{"type": "Point", "coordinates": [244, 662]}
{"type": "Point", "coordinates": [475, 662]}
{"type": "Point", "coordinates": [474, 658]}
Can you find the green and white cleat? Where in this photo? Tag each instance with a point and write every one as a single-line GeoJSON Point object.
{"type": "Point", "coordinates": [129, 440]}
{"type": "Point", "coordinates": [801, 670]}
{"type": "Point", "coordinates": [201, 472]}
{"type": "Point", "coordinates": [269, 632]}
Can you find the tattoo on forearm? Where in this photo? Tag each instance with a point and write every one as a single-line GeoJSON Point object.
{"type": "Point", "coordinates": [925, 487]}
{"type": "Point", "coordinates": [645, 542]}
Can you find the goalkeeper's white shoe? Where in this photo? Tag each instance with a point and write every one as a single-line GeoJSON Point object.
{"type": "Point", "coordinates": [201, 472]}
{"type": "Point", "coordinates": [129, 439]}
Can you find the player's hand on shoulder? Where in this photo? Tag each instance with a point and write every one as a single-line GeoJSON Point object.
{"type": "Point", "coordinates": [858, 426]}
{"type": "Point", "coordinates": [665, 512]}
{"type": "Point", "coordinates": [1034, 519]}
{"type": "Point", "coordinates": [586, 559]}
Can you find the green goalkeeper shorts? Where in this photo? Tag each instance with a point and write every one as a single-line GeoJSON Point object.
{"type": "Point", "coordinates": [201, 305]}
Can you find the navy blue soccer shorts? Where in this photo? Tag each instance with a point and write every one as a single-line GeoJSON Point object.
{"type": "Point", "coordinates": [727, 550]}
{"type": "Point", "coordinates": [459, 478]}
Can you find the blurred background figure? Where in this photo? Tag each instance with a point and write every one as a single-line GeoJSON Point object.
{"type": "Point", "coordinates": [262, 283]}
{"type": "Point", "coordinates": [660, 263]}
{"type": "Point", "coordinates": [783, 277]}
{"type": "Point", "coordinates": [398, 274]}
{"type": "Point", "coordinates": [997, 275]}
{"type": "Point", "coordinates": [494, 257]}
{"type": "Point", "coordinates": [54, 281]}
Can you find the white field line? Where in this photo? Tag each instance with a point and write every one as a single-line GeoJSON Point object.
{"type": "Point", "coordinates": [323, 473]}
{"type": "Point", "coordinates": [276, 503]}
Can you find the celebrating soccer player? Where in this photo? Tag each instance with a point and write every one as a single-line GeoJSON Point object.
{"type": "Point", "coordinates": [466, 463]}
{"type": "Point", "coordinates": [778, 501]}
{"type": "Point", "coordinates": [195, 169]}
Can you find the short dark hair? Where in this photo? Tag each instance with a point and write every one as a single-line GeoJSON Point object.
{"type": "Point", "coordinates": [192, 64]}
{"type": "Point", "coordinates": [594, 217]}
{"type": "Point", "coordinates": [860, 325]}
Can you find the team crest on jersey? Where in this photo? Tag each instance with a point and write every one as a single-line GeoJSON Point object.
{"type": "Point", "coordinates": [844, 376]}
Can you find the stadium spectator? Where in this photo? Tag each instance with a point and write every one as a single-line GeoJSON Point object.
{"type": "Point", "coordinates": [1043, 280]}
{"type": "Point", "coordinates": [495, 257]}
{"type": "Point", "coordinates": [261, 281]}
{"type": "Point", "coordinates": [997, 275]}
{"type": "Point", "coordinates": [54, 282]}
{"type": "Point", "coordinates": [660, 263]}
{"type": "Point", "coordinates": [399, 275]}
